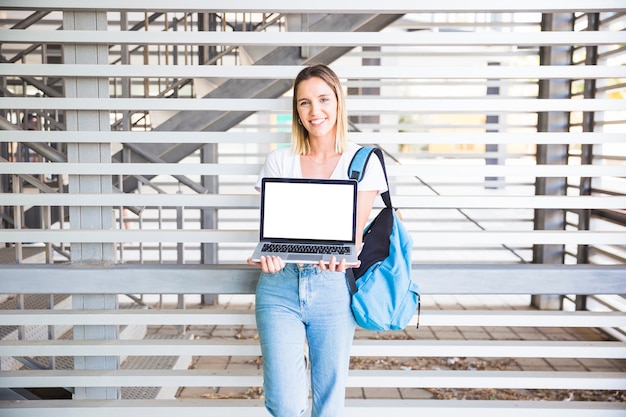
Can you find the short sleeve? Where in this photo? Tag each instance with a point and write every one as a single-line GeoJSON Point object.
{"type": "Point", "coordinates": [279, 163]}
{"type": "Point", "coordinates": [373, 177]}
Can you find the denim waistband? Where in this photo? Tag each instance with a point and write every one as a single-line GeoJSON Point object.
{"type": "Point", "coordinates": [312, 268]}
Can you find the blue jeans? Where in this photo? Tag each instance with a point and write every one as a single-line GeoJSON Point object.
{"type": "Point", "coordinates": [294, 304]}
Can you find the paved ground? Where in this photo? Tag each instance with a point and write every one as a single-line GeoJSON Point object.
{"type": "Point", "coordinates": [424, 333]}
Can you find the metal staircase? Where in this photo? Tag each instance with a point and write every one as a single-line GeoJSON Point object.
{"type": "Point", "coordinates": [184, 120]}
{"type": "Point", "coordinates": [222, 121]}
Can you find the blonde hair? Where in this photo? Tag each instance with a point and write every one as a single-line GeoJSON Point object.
{"type": "Point", "coordinates": [299, 135]}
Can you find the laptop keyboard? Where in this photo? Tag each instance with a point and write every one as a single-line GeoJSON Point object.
{"type": "Point", "coordinates": [322, 249]}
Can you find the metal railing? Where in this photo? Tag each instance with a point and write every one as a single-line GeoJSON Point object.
{"type": "Point", "coordinates": [146, 160]}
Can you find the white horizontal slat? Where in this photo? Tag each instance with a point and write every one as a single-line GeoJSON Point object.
{"type": "Point", "coordinates": [504, 202]}
{"type": "Point", "coordinates": [391, 348]}
{"type": "Point", "coordinates": [486, 318]}
{"type": "Point", "coordinates": [283, 105]}
{"type": "Point", "coordinates": [490, 348]}
{"type": "Point", "coordinates": [443, 318]}
{"type": "Point", "coordinates": [324, 6]}
{"type": "Point", "coordinates": [429, 239]}
{"type": "Point", "coordinates": [134, 408]}
{"type": "Point", "coordinates": [127, 317]}
{"type": "Point", "coordinates": [289, 72]}
{"type": "Point", "coordinates": [132, 199]}
{"type": "Point", "coordinates": [354, 408]}
{"type": "Point", "coordinates": [130, 169]}
{"type": "Point", "coordinates": [487, 379]}
{"type": "Point", "coordinates": [134, 378]}
{"type": "Point", "coordinates": [337, 39]}
{"type": "Point", "coordinates": [507, 170]}
{"type": "Point", "coordinates": [140, 347]}
{"type": "Point", "coordinates": [356, 378]}
{"type": "Point", "coordinates": [418, 170]}
{"type": "Point", "coordinates": [252, 201]}
{"type": "Point", "coordinates": [283, 137]}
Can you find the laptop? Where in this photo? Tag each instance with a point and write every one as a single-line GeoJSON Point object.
{"type": "Point", "coordinates": [305, 220]}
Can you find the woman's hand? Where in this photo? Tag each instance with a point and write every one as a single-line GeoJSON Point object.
{"type": "Point", "coordinates": [269, 264]}
{"type": "Point", "coordinates": [333, 266]}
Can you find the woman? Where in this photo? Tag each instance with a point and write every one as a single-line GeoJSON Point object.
{"type": "Point", "coordinates": [311, 302]}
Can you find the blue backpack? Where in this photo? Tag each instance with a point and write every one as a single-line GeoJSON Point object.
{"type": "Point", "coordinates": [384, 297]}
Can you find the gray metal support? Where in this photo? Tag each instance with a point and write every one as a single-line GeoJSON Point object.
{"type": "Point", "coordinates": [208, 215]}
{"type": "Point", "coordinates": [208, 154]}
{"type": "Point", "coordinates": [492, 121]}
{"type": "Point", "coordinates": [180, 257]}
{"type": "Point", "coordinates": [125, 57]}
{"type": "Point", "coordinates": [584, 216]}
{"type": "Point", "coordinates": [552, 219]}
{"type": "Point", "coordinates": [96, 218]}
{"type": "Point", "coordinates": [206, 22]}
{"type": "Point", "coordinates": [367, 91]}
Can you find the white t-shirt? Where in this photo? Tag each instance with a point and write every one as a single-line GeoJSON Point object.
{"type": "Point", "coordinates": [283, 163]}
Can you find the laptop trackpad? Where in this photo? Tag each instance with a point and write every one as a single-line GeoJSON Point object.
{"type": "Point", "coordinates": [304, 258]}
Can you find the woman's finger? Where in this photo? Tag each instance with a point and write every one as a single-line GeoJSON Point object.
{"type": "Point", "coordinates": [271, 264]}
{"type": "Point", "coordinates": [342, 266]}
{"type": "Point", "coordinates": [332, 265]}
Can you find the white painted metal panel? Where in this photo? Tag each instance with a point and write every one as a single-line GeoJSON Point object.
{"type": "Point", "coordinates": [252, 201]}
{"type": "Point", "coordinates": [420, 170]}
{"type": "Point", "coordinates": [355, 105]}
{"type": "Point", "coordinates": [354, 408]}
{"type": "Point", "coordinates": [391, 348]}
{"type": "Point", "coordinates": [356, 378]}
{"type": "Point", "coordinates": [426, 239]}
{"type": "Point", "coordinates": [428, 318]}
{"type": "Point", "coordinates": [277, 137]}
{"type": "Point", "coordinates": [346, 39]}
{"type": "Point", "coordinates": [326, 6]}
{"type": "Point", "coordinates": [289, 72]}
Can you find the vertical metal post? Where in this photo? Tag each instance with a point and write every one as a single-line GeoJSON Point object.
{"type": "Point", "coordinates": [206, 22]}
{"type": "Point", "coordinates": [180, 257]}
{"type": "Point", "coordinates": [304, 27]}
{"type": "Point", "coordinates": [96, 218]}
{"type": "Point", "coordinates": [552, 219]}
{"type": "Point", "coordinates": [492, 121]}
{"type": "Point", "coordinates": [367, 91]}
{"type": "Point", "coordinates": [208, 215]}
{"type": "Point", "coordinates": [125, 59]}
{"type": "Point", "coordinates": [586, 157]}
{"type": "Point", "coordinates": [209, 154]}
{"type": "Point", "coordinates": [371, 91]}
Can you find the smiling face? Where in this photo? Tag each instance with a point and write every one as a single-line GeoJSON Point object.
{"type": "Point", "coordinates": [317, 108]}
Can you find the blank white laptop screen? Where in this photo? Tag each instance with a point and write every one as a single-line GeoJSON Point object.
{"type": "Point", "coordinates": [308, 211]}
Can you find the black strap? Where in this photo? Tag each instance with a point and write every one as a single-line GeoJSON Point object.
{"type": "Point", "coordinates": [351, 280]}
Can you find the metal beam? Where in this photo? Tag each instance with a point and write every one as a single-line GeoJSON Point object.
{"type": "Point", "coordinates": [242, 279]}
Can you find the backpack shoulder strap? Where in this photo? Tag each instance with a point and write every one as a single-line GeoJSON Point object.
{"type": "Point", "coordinates": [358, 164]}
